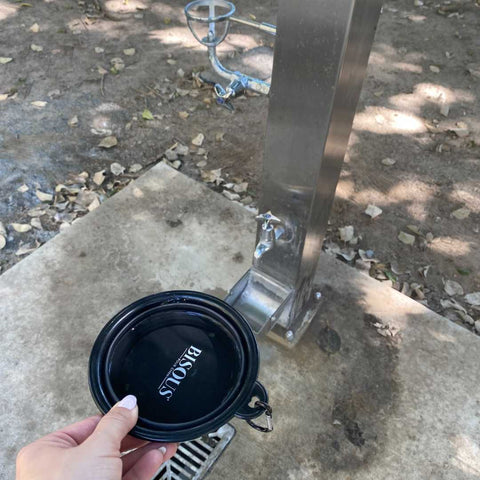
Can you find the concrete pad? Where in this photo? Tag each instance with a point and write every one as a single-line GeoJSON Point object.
{"type": "Point", "coordinates": [396, 407]}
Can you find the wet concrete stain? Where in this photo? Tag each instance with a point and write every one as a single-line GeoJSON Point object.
{"type": "Point", "coordinates": [174, 223]}
{"type": "Point", "coordinates": [364, 388]}
{"type": "Point", "coordinates": [238, 257]}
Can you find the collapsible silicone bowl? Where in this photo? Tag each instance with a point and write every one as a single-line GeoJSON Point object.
{"type": "Point", "coordinates": [189, 358]}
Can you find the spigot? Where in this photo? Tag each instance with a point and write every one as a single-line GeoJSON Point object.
{"type": "Point", "coordinates": [269, 233]}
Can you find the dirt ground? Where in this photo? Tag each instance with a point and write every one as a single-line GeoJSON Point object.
{"type": "Point", "coordinates": [414, 150]}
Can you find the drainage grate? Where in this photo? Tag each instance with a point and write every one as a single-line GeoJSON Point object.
{"type": "Point", "coordinates": [194, 459]}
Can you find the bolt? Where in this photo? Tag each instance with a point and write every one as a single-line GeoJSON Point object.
{"type": "Point", "coordinates": [318, 296]}
{"type": "Point", "coordinates": [289, 336]}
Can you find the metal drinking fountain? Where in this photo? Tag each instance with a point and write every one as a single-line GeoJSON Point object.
{"type": "Point", "coordinates": [321, 54]}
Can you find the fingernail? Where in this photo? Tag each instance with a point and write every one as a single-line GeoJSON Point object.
{"type": "Point", "coordinates": [163, 450]}
{"type": "Point", "coordinates": [129, 402]}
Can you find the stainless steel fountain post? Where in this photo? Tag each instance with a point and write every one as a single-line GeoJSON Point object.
{"type": "Point", "coordinates": [321, 54]}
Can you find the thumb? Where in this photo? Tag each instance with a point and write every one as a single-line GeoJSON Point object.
{"type": "Point", "coordinates": [115, 425]}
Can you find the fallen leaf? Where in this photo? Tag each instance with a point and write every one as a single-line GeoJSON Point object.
{"type": "Point", "coordinates": [473, 298]}
{"type": "Point", "coordinates": [22, 189]}
{"type": "Point", "coordinates": [452, 288]}
{"type": "Point", "coordinates": [117, 64]}
{"type": "Point", "coordinates": [230, 195]}
{"type": "Point", "coordinates": [99, 177]}
{"type": "Point", "coordinates": [434, 69]}
{"type": "Point", "coordinates": [38, 104]}
{"type": "Point", "coordinates": [35, 28]}
{"type": "Point", "coordinates": [406, 238]}
{"type": "Point", "coordinates": [147, 115]}
{"type": "Point", "coordinates": [129, 52]}
{"type": "Point", "coordinates": [102, 71]}
{"type": "Point", "coordinates": [198, 140]}
{"type": "Point", "coordinates": [44, 197]}
{"type": "Point", "coordinates": [240, 187]}
{"type": "Point", "coordinates": [444, 109]}
{"type": "Point", "coordinates": [373, 211]}
{"type": "Point", "coordinates": [108, 142]}
{"type": "Point", "coordinates": [212, 176]}
{"type": "Point", "coordinates": [346, 233]}
{"type": "Point", "coordinates": [24, 250]}
{"type": "Point", "coordinates": [182, 92]}
{"type": "Point", "coordinates": [182, 150]}
{"type": "Point", "coordinates": [36, 223]}
{"type": "Point", "coordinates": [202, 164]}
{"type": "Point", "coordinates": [389, 162]}
{"type": "Point", "coordinates": [136, 167]}
{"type": "Point", "coordinates": [465, 317]}
{"type": "Point", "coordinates": [3, 96]}
{"type": "Point", "coordinates": [171, 154]}
{"type": "Point", "coordinates": [21, 227]}
{"type": "Point", "coordinates": [95, 204]}
{"type": "Point", "coordinates": [180, 73]}
{"type": "Point", "coordinates": [171, 61]}
{"type": "Point", "coordinates": [183, 115]}
{"type": "Point", "coordinates": [99, 50]}
{"type": "Point", "coordinates": [3, 241]}
{"type": "Point", "coordinates": [73, 122]}
{"type": "Point", "coordinates": [36, 48]}
{"type": "Point", "coordinates": [414, 229]}
{"type": "Point", "coordinates": [429, 237]}
{"type": "Point", "coordinates": [4, 60]}
{"type": "Point", "coordinates": [117, 169]}
{"type": "Point", "coordinates": [461, 213]}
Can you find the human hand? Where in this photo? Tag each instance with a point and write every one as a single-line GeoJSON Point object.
{"type": "Point", "coordinates": [92, 450]}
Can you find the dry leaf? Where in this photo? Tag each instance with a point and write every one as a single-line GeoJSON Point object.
{"type": "Point", "coordinates": [108, 142]}
{"type": "Point", "coordinates": [44, 197]}
{"type": "Point", "coordinates": [453, 288]}
{"type": "Point", "coordinates": [3, 96]}
{"type": "Point", "coordinates": [183, 115]}
{"type": "Point", "coordinates": [434, 69]}
{"type": "Point", "coordinates": [230, 195]}
{"type": "Point", "coordinates": [406, 238]}
{"type": "Point", "coordinates": [136, 167]}
{"type": "Point", "coordinates": [129, 52]}
{"type": "Point", "coordinates": [21, 227]}
{"type": "Point", "coordinates": [4, 60]}
{"type": "Point", "coordinates": [389, 162]}
{"type": "Point", "coordinates": [346, 233]}
{"type": "Point", "coordinates": [99, 50]}
{"type": "Point", "coordinates": [240, 187]}
{"type": "Point", "coordinates": [99, 177]}
{"type": "Point", "coordinates": [373, 211]}
{"type": "Point", "coordinates": [38, 104]}
{"type": "Point", "coordinates": [35, 28]}
{"type": "Point", "coordinates": [212, 176]}
{"type": "Point", "coordinates": [171, 61]}
{"type": "Point", "coordinates": [117, 169]}
{"type": "Point", "coordinates": [95, 204]}
{"type": "Point", "coordinates": [22, 189]}
{"type": "Point", "coordinates": [73, 122]}
{"type": "Point", "coordinates": [147, 115]}
{"type": "Point", "coordinates": [461, 213]}
{"type": "Point", "coordinates": [102, 71]}
{"type": "Point", "coordinates": [36, 223]}
{"type": "Point", "coordinates": [473, 298]}
{"type": "Point", "coordinates": [36, 48]}
{"type": "Point", "coordinates": [198, 140]}
{"type": "Point", "coordinates": [24, 250]}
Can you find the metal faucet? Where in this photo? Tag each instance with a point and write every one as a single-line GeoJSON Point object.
{"type": "Point", "coordinates": [239, 82]}
{"type": "Point", "coordinates": [270, 232]}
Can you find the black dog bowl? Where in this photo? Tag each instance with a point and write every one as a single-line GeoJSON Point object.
{"type": "Point", "coordinates": [189, 358]}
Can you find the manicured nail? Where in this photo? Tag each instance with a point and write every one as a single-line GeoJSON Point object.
{"type": "Point", "coordinates": [163, 450]}
{"type": "Point", "coordinates": [129, 402]}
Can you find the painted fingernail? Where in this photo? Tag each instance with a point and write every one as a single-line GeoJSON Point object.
{"type": "Point", "coordinates": [163, 450]}
{"type": "Point", "coordinates": [129, 402]}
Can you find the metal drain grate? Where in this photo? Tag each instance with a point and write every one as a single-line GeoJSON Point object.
{"type": "Point", "coordinates": [194, 459]}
